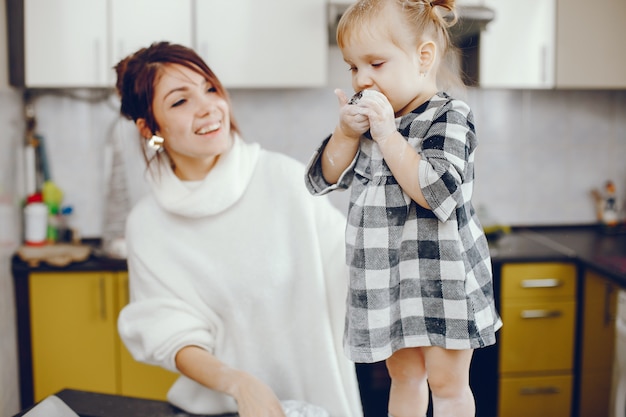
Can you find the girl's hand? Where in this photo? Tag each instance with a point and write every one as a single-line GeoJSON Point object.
{"type": "Point", "coordinates": [352, 122]}
{"type": "Point", "coordinates": [255, 399]}
{"type": "Point", "coordinates": [380, 114]}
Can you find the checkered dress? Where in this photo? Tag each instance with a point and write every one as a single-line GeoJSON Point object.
{"type": "Point", "coordinates": [418, 277]}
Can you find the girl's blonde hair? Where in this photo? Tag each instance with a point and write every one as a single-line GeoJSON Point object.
{"type": "Point", "coordinates": [428, 20]}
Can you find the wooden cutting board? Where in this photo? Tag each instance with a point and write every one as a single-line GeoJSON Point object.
{"type": "Point", "coordinates": [57, 255]}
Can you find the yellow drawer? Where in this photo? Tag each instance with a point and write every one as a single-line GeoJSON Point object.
{"type": "Point", "coordinates": [547, 396]}
{"type": "Point", "coordinates": [537, 336]}
{"type": "Point", "coordinates": [538, 280]}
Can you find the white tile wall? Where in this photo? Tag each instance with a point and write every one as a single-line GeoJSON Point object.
{"type": "Point", "coordinates": [540, 154]}
{"type": "Point", "coordinates": [10, 138]}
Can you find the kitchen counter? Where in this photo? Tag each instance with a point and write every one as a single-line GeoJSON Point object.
{"type": "Point", "coordinates": [588, 246]}
{"type": "Point", "coordinates": [89, 404]}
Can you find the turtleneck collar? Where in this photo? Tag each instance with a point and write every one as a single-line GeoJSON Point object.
{"type": "Point", "coordinates": [221, 188]}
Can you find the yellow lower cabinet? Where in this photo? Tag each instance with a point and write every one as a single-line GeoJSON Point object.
{"type": "Point", "coordinates": [598, 346]}
{"type": "Point", "coordinates": [537, 342]}
{"type": "Point", "coordinates": [549, 396]}
{"type": "Point", "coordinates": [73, 332]}
{"type": "Point", "coordinates": [538, 337]}
{"type": "Point", "coordinates": [138, 379]}
{"type": "Point", "coordinates": [75, 342]}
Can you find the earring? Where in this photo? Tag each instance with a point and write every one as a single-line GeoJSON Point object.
{"type": "Point", "coordinates": [156, 142]}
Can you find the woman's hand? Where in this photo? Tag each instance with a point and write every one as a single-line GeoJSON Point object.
{"type": "Point", "coordinates": [254, 398]}
{"type": "Point", "coordinates": [352, 122]}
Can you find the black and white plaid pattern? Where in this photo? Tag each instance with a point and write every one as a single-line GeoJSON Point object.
{"type": "Point", "coordinates": [418, 277]}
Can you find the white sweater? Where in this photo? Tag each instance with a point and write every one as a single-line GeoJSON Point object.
{"type": "Point", "coordinates": [249, 266]}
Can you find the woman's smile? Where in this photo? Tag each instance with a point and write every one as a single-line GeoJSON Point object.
{"type": "Point", "coordinates": [194, 120]}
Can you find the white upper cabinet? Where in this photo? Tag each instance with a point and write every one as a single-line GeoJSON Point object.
{"type": "Point", "coordinates": [65, 43]}
{"type": "Point", "coordinates": [517, 47]}
{"type": "Point", "coordinates": [591, 51]}
{"type": "Point", "coordinates": [76, 43]}
{"type": "Point", "coordinates": [138, 23]}
{"type": "Point", "coordinates": [249, 43]}
{"type": "Point", "coordinates": [252, 43]}
{"type": "Point", "coordinates": [554, 44]}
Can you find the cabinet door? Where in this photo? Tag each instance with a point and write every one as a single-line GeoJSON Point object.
{"type": "Point", "coordinates": [538, 337]}
{"type": "Point", "coordinates": [598, 345]}
{"type": "Point", "coordinates": [517, 49]}
{"type": "Point", "coordinates": [539, 312]}
{"type": "Point", "coordinates": [65, 43]}
{"type": "Point", "coordinates": [138, 379]}
{"type": "Point", "coordinates": [538, 281]}
{"type": "Point", "coordinates": [72, 331]}
{"type": "Point", "coordinates": [590, 52]}
{"type": "Point", "coordinates": [273, 43]}
{"type": "Point", "coordinates": [138, 23]}
{"type": "Point", "coordinates": [544, 396]}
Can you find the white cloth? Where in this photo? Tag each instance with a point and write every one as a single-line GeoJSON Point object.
{"type": "Point", "coordinates": [249, 266]}
{"type": "Point", "coordinates": [51, 406]}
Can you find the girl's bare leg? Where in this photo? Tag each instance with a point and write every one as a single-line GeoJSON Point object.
{"type": "Point", "coordinates": [448, 378]}
{"type": "Point", "coordinates": [408, 396]}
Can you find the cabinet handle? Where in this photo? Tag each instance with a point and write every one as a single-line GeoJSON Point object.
{"type": "Point", "coordinates": [103, 301]}
{"type": "Point", "coordinates": [539, 391]}
{"type": "Point", "coordinates": [540, 314]}
{"type": "Point", "coordinates": [609, 316]}
{"type": "Point", "coordinates": [541, 283]}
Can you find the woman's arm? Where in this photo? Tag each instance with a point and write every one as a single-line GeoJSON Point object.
{"type": "Point", "coordinates": [254, 398]}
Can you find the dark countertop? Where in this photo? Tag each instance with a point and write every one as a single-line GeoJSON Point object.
{"type": "Point", "coordinates": [90, 404]}
{"type": "Point", "coordinates": [588, 246]}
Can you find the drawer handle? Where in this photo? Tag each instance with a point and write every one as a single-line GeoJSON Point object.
{"type": "Point", "coordinates": [539, 391]}
{"type": "Point", "coordinates": [541, 283]}
{"type": "Point", "coordinates": [540, 314]}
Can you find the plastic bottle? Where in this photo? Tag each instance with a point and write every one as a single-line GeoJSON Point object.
{"type": "Point", "coordinates": [53, 224]}
{"type": "Point", "coordinates": [35, 221]}
{"type": "Point", "coordinates": [66, 232]}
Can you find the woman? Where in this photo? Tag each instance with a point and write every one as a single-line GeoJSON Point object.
{"type": "Point", "coordinates": [237, 274]}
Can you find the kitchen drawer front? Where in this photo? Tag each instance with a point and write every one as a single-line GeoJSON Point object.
{"type": "Point", "coordinates": [538, 280]}
{"type": "Point", "coordinates": [537, 336]}
{"type": "Point", "coordinates": [546, 396]}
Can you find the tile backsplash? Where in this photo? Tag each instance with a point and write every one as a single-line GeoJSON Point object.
{"type": "Point", "coordinates": [540, 152]}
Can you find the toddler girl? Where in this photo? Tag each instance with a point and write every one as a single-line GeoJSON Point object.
{"type": "Point", "coordinates": [421, 294]}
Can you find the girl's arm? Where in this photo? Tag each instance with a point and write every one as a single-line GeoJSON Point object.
{"type": "Point", "coordinates": [403, 161]}
{"type": "Point", "coordinates": [338, 155]}
{"type": "Point", "coordinates": [254, 398]}
{"type": "Point", "coordinates": [344, 142]}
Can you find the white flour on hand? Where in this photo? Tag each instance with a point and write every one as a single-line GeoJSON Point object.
{"type": "Point", "coordinates": [293, 408]}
